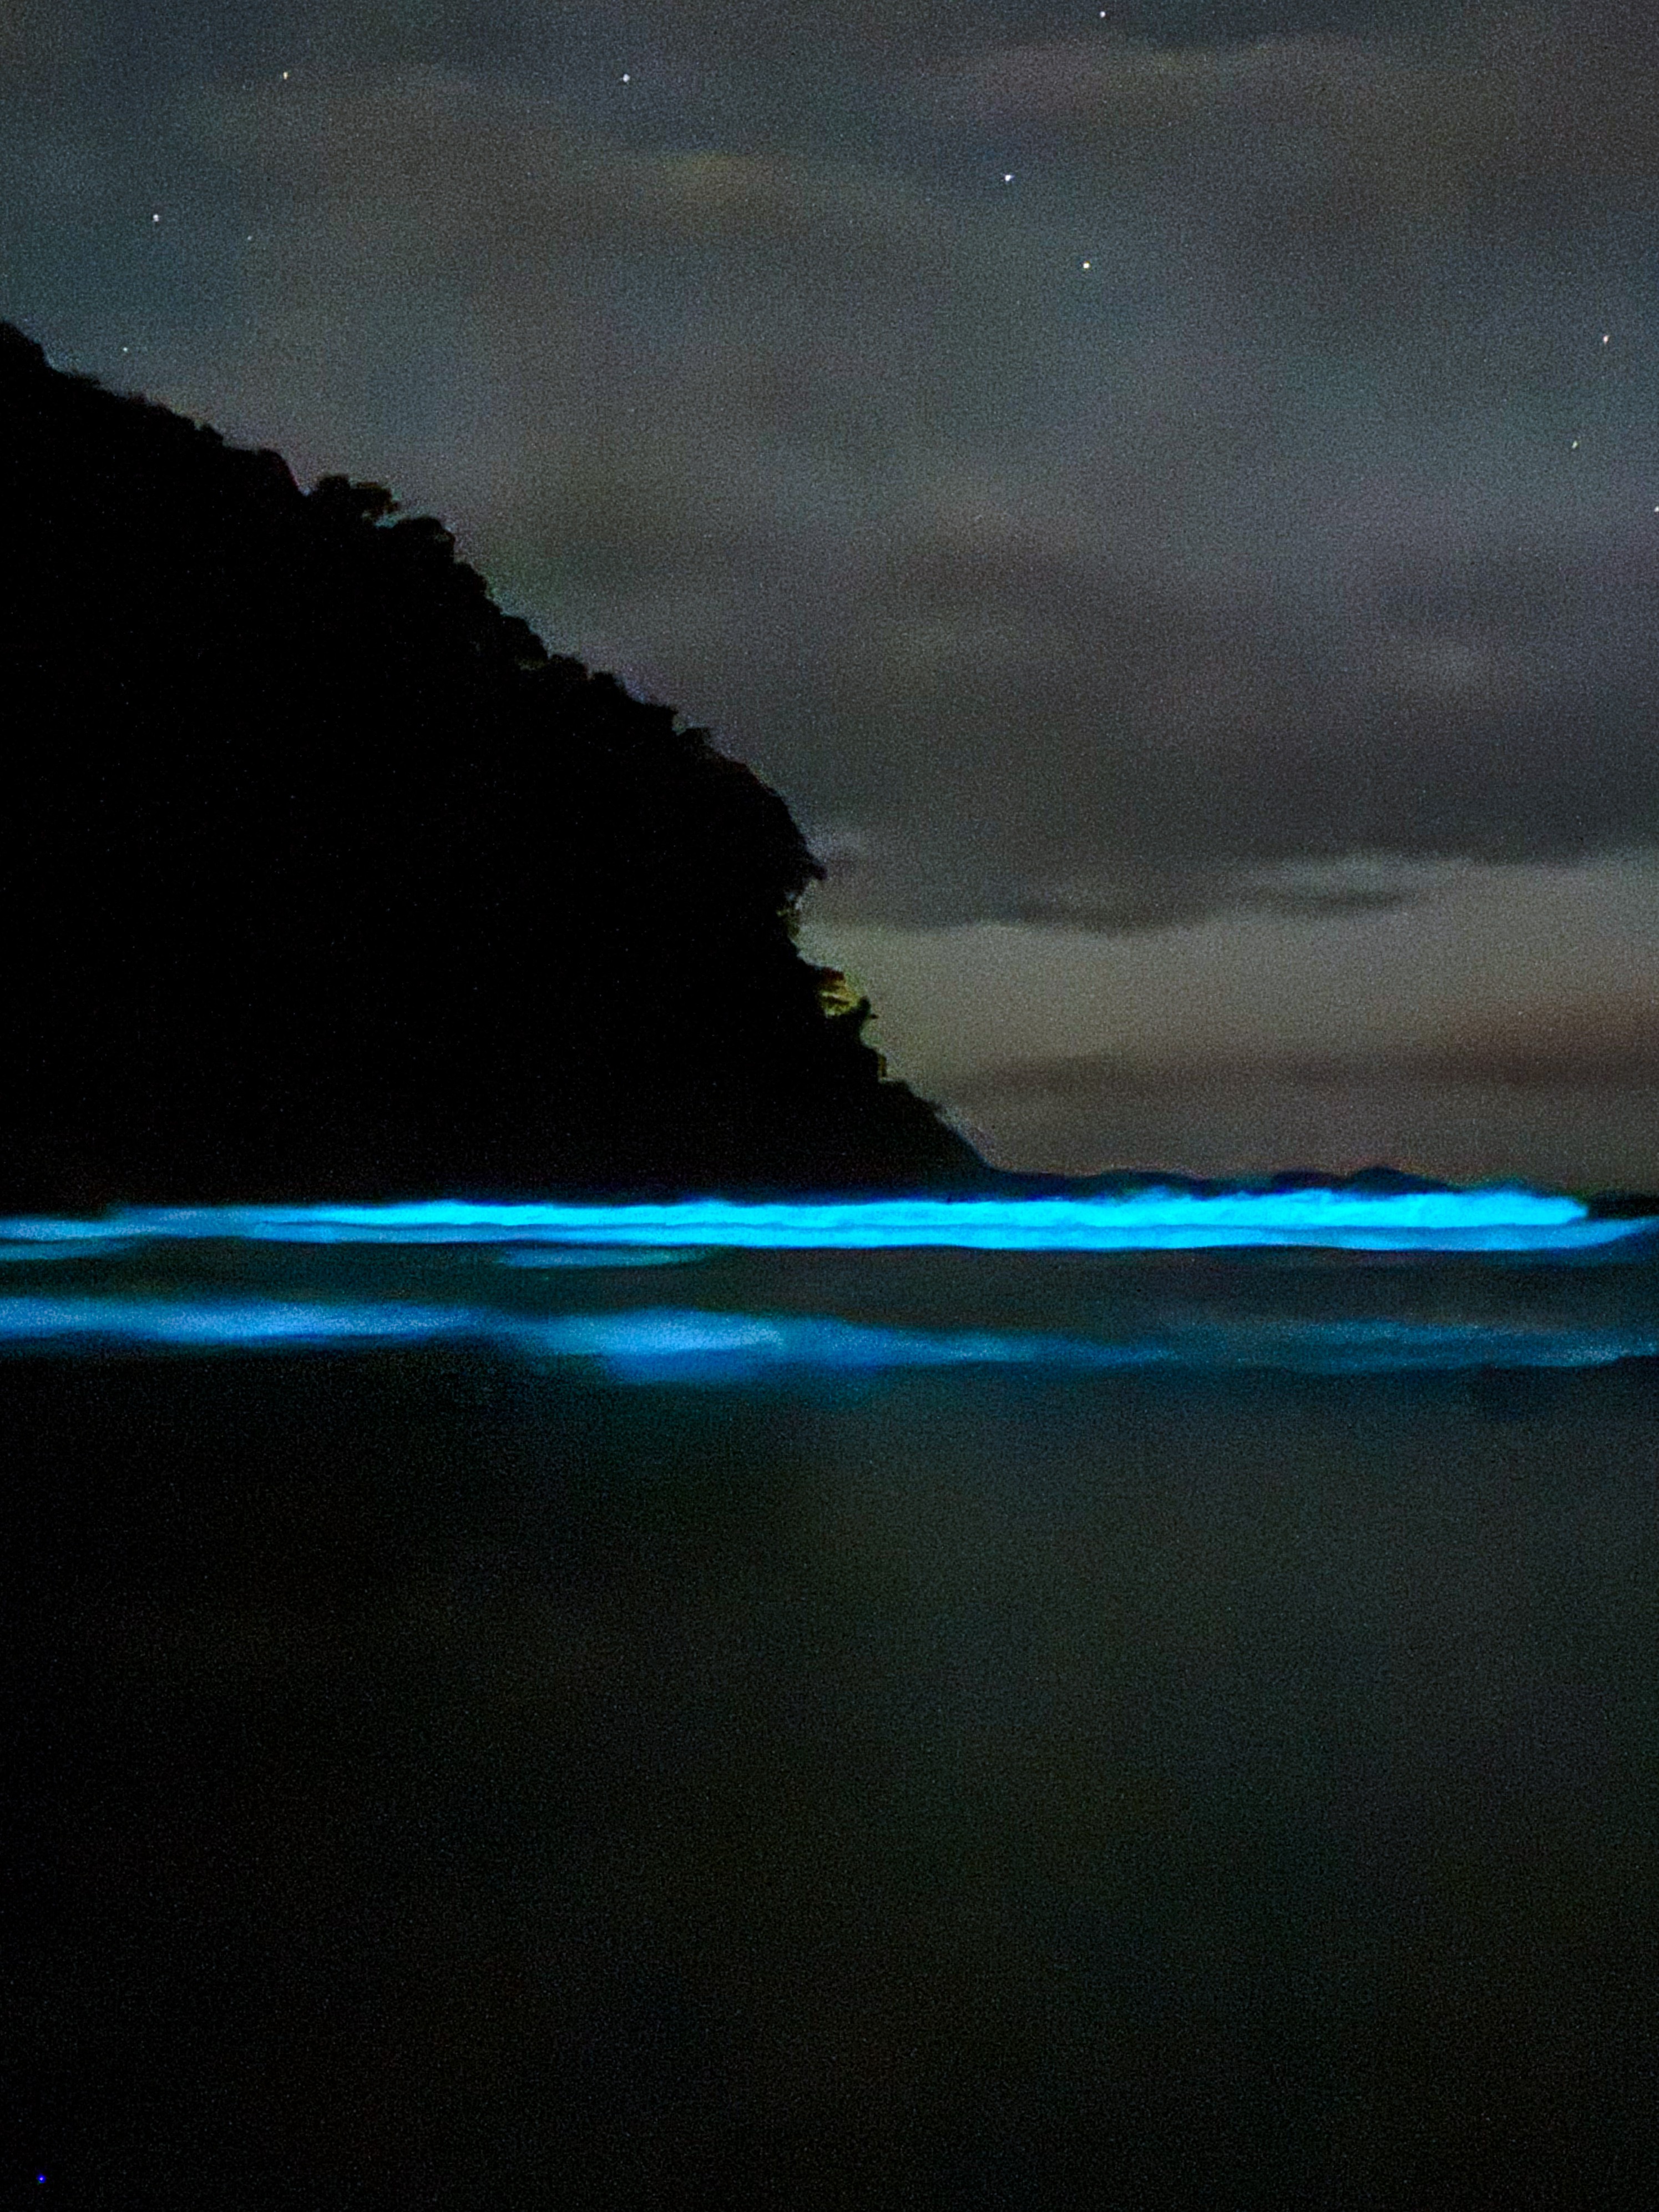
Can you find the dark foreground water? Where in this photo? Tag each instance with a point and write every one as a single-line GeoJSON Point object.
{"type": "Point", "coordinates": [664, 1767]}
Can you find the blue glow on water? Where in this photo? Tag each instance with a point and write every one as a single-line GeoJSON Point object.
{"type": "Point", "coordinates": [673, 1344]}
{"type": "Point", "coordinates": [217, 1324]}
{"type": "Point", "coordinates": [66, 1247]}
{"type": "Point", "coordinates": [1500, 1219]}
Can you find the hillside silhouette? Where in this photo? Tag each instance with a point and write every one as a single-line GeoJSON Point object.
{"type": "Point", "coordinates": [323, 878]}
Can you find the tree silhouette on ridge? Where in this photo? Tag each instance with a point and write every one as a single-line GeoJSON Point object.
{"type": "Point", "coordinates": [323, 877]}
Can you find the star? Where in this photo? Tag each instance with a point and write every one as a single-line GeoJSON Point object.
{"type": "Point", "coordinates": [1086, 264]}
{"type": "Point", "coordinates": [1008, 178]}
{"type": "Point", "coordinates": [625, 76]}
{"type": "Point", "coordinates": [155, 218]}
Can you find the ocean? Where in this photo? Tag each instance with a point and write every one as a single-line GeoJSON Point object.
{"type": "Point", "coordinates": [511, 1709]}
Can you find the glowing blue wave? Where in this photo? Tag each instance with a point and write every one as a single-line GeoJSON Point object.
{"type": "Point", "coordinates": [678, 1344]}
{"type": "Point", "coordinates": [1489, 1219]}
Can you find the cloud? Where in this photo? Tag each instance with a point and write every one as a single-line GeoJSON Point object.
{"type": "Point", "coordinates": [1368, 123]}
{"type": "Point", "coordinates": [1142, 747]}
{"type": "Point", "coordinates": [451, 164]}
{"type": "Point", "coordinates": [870, 879]}
{"type": "Point", "coordinates": [41, 36]}
{"type": "Point", "coordinates": [1086, 608]}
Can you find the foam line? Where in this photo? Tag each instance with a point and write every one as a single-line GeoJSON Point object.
{"type": "Point", "coordinates": [1499, 1218]}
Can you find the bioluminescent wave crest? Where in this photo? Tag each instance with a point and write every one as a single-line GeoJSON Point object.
{"type": "Point", "coordinates": [1494, 1218]}
{"type": "Point", "coordinates": [674, 1343]}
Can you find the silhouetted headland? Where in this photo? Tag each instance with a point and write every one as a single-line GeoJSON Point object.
{"type": "Point", "coordinates": [323, 877]}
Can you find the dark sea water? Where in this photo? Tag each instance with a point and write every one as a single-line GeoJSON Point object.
{"type": "Point", "coordinates": [504, 1725]}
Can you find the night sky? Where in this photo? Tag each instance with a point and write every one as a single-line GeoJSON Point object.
{"type": "Point", "coordinates": [1170, 493]}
